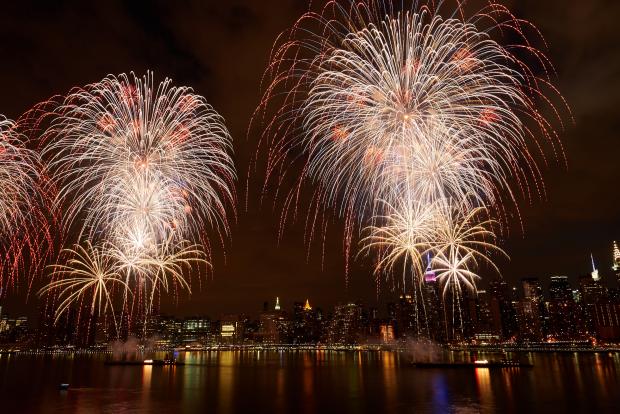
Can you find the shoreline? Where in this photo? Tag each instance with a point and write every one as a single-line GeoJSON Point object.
{"type": "Point", "coordinates": [305, 348]}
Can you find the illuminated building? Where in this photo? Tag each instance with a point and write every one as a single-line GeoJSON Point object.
{"type": "Point", "coordinates": [231, 329]}
{"type": "Point", "coordinates": [532, 289]}
{"type": "Point", "coordinates": [386, 333]}
{"type": "Point", "coordinates": [228, 330]}
{"type": "Point", "coordinates": [483, 327]}
{"type": "Point", "coordinates": [273, 325]}
{"type": "Point", "coordinates": [346, 326]}
{"type": "Point", "coordinates": [613, 295]}
{"type": "Point", "coordinates": [502, 309]}
{"type": "Point", "coordinates": [13, 329]}
{"type": "Point", "coordinates": [591, 293]}
{"type": "Point", "coordinates": [196, 330]}
{"type": "Point", "coordinates": [429, 274]}
{"type": "Point", "coordinates": [529, 321]}
{"type": "Point", "coordinates": [306, 324]}
{"type": "Point", "coordinates": [433, 307]}
{"type": "Point", "coordinates": [563, 316]}
{"type": "Point", "coordinates": [406, 317]}
{"type": "Point", "coordinates": [608, 321]}
{"type": "Point", "coordinates": [530, 310]}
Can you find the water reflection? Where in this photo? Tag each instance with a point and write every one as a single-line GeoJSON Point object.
{"type": "Point", "coordinates": [483, 381]}
{"type": "Point", "coordinates": [389, 377]}
{"type": "Point", "coordinates": [226, 375]}
{"type": "Point", "coordinates": [440, 394]}
{"type": "Point", "coordinates": [307, 382]}
{"type": "Point", "coordinates": [147, 373]}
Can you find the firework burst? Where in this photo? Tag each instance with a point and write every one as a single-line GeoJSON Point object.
{"type": "Point", "coordinates": [125, 153]}
{"type": "Point", "coordinates": [88, 275]}
{"type": "Point", "coordinates": [143, 171]}
{"type": "Point", "coordinates": [464, 241]}
{"type": "Point", "coordinates": [397, 117]}
{"type": "Point", "coordinates": [24, 226]}
{"type": "Point", "coordinates": [157, 269]}
{"type": "Point", "coordinates": [403, 236]}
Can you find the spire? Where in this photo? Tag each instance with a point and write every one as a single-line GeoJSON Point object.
{"type": "Point", "coordinates": [595, 275]}
{"type": "Point", "coordinates": [428, 262]}
{"type": "Point", "coordinates": [429, 274]}
{"type": "Point", "coordinates": [277, 307]}
{"type": "Point", "coordinates": [307, 306]}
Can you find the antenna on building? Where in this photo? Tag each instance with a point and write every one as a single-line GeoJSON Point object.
{"type": "Point", "coordinates": [595, 275]}
{"type": "Point", "coordinates": [429, 274]}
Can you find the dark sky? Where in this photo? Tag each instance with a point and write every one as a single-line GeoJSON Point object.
{"type": "Point", "coordinates": [220, 48]}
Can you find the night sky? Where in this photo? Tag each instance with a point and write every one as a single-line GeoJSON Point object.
{"type": "Point", "coordinates": [220, 48]}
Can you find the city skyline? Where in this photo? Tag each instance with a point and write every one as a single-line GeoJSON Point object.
{"type": "Point", "coordinates": [608, 275]}
{"type": "Point", "coordinates": [536, 313]}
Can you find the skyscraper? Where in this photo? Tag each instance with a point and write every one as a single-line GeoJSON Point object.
{"type": "Point", "coordinates": [564, 320]}
{"type": "Point", "coordinates": [532, 288]}
{"type": "Point", "coordinates": [433, 306]}
{"type": "Point", "coordinates": [591, 293]}
{"type": "Point", "coordinates": [406, 317]}
{"type": "Point", "coordinates": [429, 274]}
{"type": "Point", "coordinates": [483, 327]}
{"type": "Point", "coordinates": [530, 310]}
{"type": "Point", "coordinates": [305, 323]}
{"type": "Point", "coordinates": [273, 325]}
{"type": "Point", "coordinates": [503, 314]}
{"type": "Point", "coordinates": [346, 326]}
{"type": "Point", "coordinates": [559, 288]}
{"type": "Point", "coordinates": [607, 321]}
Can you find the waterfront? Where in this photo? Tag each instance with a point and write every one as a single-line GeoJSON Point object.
{"type": "Point", "coordinates": [307, 382]}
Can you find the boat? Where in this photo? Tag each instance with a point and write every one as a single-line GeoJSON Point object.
{"type": "Point", "coordinates": [156, 362]}
{"type": "Point", "coordinates": [480, 363]}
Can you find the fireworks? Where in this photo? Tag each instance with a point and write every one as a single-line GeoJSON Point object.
{"type": "Point", "coordinates": [141, 170]}
{"type": "Point", "coordinates": [415, 126]}
{"type": "Point", "coordinates": [156, 269]}
{"type": "Point", "coordinates": [24, 226]}
{"type": "Point", "coordinates": [104, 278]}
{"type": "Point", "coordinates": [404, 237]}
{"type": "Point", "coordinates": [412, 124]}
{"type": "Point", "coordinates": [464, 240]}
{"type": "Point", "coordinates": [127, 155]}
{"type": "Point", "coordinates": [88, 272]}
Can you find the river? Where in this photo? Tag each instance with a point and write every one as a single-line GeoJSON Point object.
{"type": "Point", "coordinates": [307, 382]}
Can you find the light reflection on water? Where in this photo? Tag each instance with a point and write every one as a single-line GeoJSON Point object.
{"type": "Point", "coordinates": [483, 381]}
{"type": "Point", "coordinates": [308, 382]}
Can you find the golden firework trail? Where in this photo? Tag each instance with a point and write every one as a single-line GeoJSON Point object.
{"type": "Point", "coordinates": [142, 171]}
{"type": "Point", "coordinates": [409, 122]}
